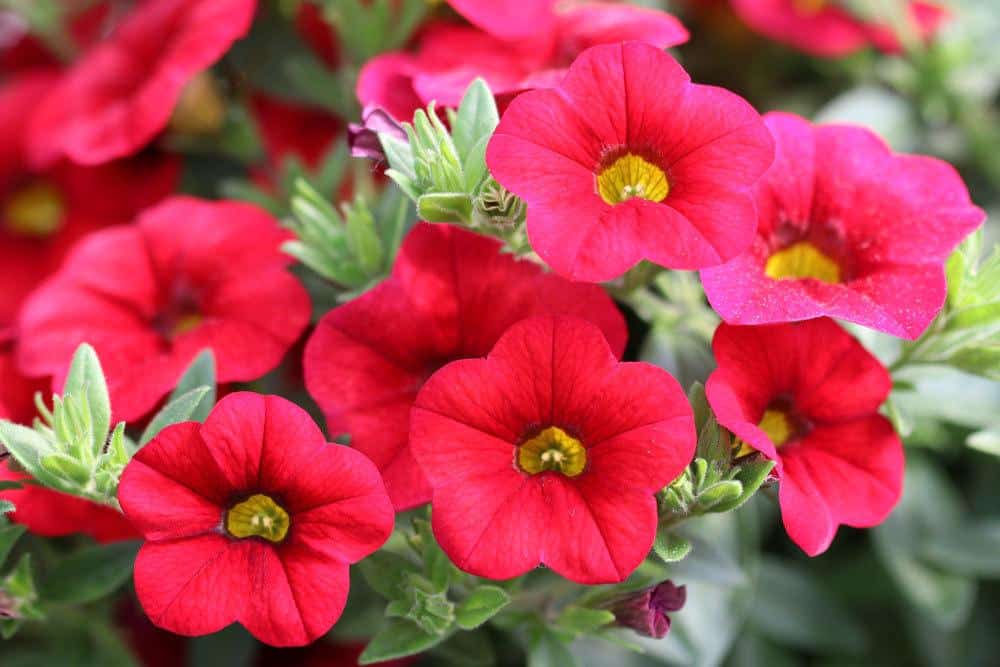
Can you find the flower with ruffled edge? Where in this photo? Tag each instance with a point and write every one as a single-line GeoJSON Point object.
{"type": "Point", "coordinates": [628, 160]}
{"type": "Point", "coordinates": [806, 395]}
{"type": "Point", "coordinates": [188, 275]}
{"type": "Point", "coordinates": [550, 451]}
{"type": "Point", "coordinates": [451, 295]}
{"type": "Point", "coordinates": [123, 92]}
{"type": "Point", "coordinates": [251, 517]}
{"type": "Point", "coordinates": [846, 229]}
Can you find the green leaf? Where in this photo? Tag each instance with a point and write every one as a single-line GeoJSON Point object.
{"type": "Point", "coordinates": [971, 549]}
{"type": "Point", "coordinates": [9, 535]}
{"type": "Point", "coordinates": [480, 606]}
{"type": "Point", "coordinates": [986, 441]}
{"type": "Point", "coordinates": [90, 574]}
{"type": "Point", "coordinates": [398, 639]}
{"type": "Point", "coordinates": [67, 468]}
{"type": "Point", "coordinates": [388, 573]}
{"type": "Point", "coordinates": [721, 494]}
{"type": "Point", "coordinates": [546, 649]}
{"type": "Point", "coordinates": [792, 608]}
{"type": "Point", "coordinates": [86, 377]}
{"type": "Point", "coordinates": [751, 475]}
{"type": "Point", "coordinates": [477, 117]}
{"type": "Point", "coordinates": [670, 547]}
{"type": "Point", "coordinates": [699, 405]}
{"type": "Point", "coordinates": [200, 373]}
{"type": "Point", "coordinates": [583, 620]}
{"type": "Point", "coordinates": [231, 647]}
{"type": "Point", "coordinates": [445, 207]}
{"type": "Point", "coordinates": [363, 238]}
{"type": "Point", "coordinates": [929, 507]}
{"type": "Point", "coordinates": [464, 649]}
{"type": "Point", "coordinates": [178, 410]}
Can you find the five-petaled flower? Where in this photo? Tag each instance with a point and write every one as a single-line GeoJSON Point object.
{"type": "Point", "coordinates": [550, 451]}
{"type": "Point", "coordinates": [825, 28]}
{"type": "Point", "coordinates": [451, 295]}
{"type": "Point", "coordinates": [806, 395]}
{"type": "Point", "coordinates": [628, 160]}
{"type": "Point", "coordinates": [251, 517]}
{"type": "Point", "coordinates": [189, 275]}
{"type": "Point", "coordinates": [846, 229]}
{"type": "Point", "coordinates": [124, 91]}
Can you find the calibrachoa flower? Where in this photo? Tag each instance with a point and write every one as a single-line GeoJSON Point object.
{"type": "Point", "coordinates": [823, 28]}
{"type": "Point", "coordinates": [647, 611]}
{"type": "Point", "coordinates": [628, 160]}
{"type": "Point", "coordinates": [53, 514]}
{"type": "Point", "coordinates": [251, 517]}
{"type": "Point", "coordinates": [122, 93]}
{"type": "Point", "coordinates": [549, 451]}
{"type": "Point", "coordinates": [447, 57]}
{"type": "Point", "coordinates": [509, 19]}
{"type": "Point", "coordinates": [451, 295]}
{"type": "Point", "coordinates": [806, 395]}
{"type": "Point", "coordinates": [44, 212]}
{"type": "Point", "coordinates": [189, 275]}
{"type": "Point", "coordinates": [847, 229]}
{"type": "Point", "coordinates": [291, 131]}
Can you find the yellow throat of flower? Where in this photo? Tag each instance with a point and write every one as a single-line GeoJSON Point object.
{"type": "Point", "coordinates": [802, 260]}
{"type": "Point", "coordinates": [201, 109]}
{"type": "Point", "coordinates": [552, 449]}
{"type": "Point", "coordinates": [809, 7]}
{"type": "Point", "coordinates": [632, 176]}
{"type": "Point", "coordinates": [258, 516]}
{"type": "Point", "coordinates": [35, 210]}
{"type": "Point", "coordinates": [778, 427]}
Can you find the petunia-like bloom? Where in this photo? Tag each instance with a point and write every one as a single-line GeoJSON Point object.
{"type": "Point", "coordinates": [44, 212]}
{"type": "Point", "coordinates": [451, 295]}
{"type": "Point", "coordinates": [508, 19]}
{"type": "Point", "coordinates": [251, 517]}
{"type": "Point", "coordinates": [123, 92]}
{"type": "Point", "coordinates": [550, 451]}
{"type": "Point", "coordinates": [806, 395]}
{"type": "Point", "coordinates": [823, 28]}
{"type": "Point", "coordinates": [447, 57]}
{"type": "Point", "coordinates": [189, 275]}
{"type": "Point", "coordinates": [846, 229]}
{"type": "Point", "coordinates": [628, 160]}
{"type": "Point", "coordinates": [53, 514]}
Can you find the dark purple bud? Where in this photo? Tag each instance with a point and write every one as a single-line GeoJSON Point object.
{"type": "Point", "coordinates": [362, 137]}
{"type": "Point", "coordinates": [646, 611]}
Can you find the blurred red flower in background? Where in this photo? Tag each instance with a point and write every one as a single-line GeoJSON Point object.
{"type": "Point", "coordinates": [122, 93]}
{"type": "Point", "coordinates": [823, 28]}
{"type": "Point", "coordinates": [447, 56]}
{"type": "Point", "coordinates": [451, 296]}
{"type": "Point", "coordinates": [806, 395]}
{"type": "Point", "coordinates": [251, 517]}
{"type": "Point", "coordinates": [550, 451]}
{"type": "Point", "coordinates": [149, 297]}
{"type": "Point", "coordinates": [846, 229]}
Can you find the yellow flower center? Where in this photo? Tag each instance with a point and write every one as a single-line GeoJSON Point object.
{"type": "Point", "coordinates": [809, 7]}
{"type": "Point", "coordinates": [34, 210]}
{"type": "Point", "coordinates": [258, 516]}
{"type": "Point", "coordinates": [632, 176]}
{"type": "Point", "coordinates": [185, 323]}
{"type": "Point", "coordinates": [201, 109]}
{"type": "Point", "coordinates": [552, 449]}
{"type": "Point", "coordinates": [802, 260]}
{"type": "Point", "coordinates": [778, 427]}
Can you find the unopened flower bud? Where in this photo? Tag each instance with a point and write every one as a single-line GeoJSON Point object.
{"type": "Point", "coordinates": [363, 139]}
{"type": "Point", "coordinates": [645, 611]}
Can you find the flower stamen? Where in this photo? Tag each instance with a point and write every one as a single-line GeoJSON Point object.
{"type": "Point", "coordinates": [258, 516]}
{"type": "Point", "coordinates": [552, 449]}
{"type": "Point", "coordinates": [803, 260]}
{"type": "Point", "coordinates": [35, 210]}
{"type": "Point", "coordinates": [631, 176]}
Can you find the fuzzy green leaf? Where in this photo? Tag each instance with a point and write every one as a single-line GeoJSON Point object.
{"type": "Point", "coordinates": [398, 639]}
{"type": "Point", "coordinates": [178, 410]}
{"type": "Point", "coordinates": [482, 604]}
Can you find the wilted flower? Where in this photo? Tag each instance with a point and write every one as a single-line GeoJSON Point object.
{"type": "Point", "coordinates": [647, 611]}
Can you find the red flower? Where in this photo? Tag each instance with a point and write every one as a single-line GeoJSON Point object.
{"type": "Point", "coordinates": [288, 132]}
{"type": "Point", "coordinates": [550, 451]}
{"type": "Point", "coordinates": [189, 275]}
{"type": "Point", "coordinates": [251, 517]}
{"type": "Point", "coordinates": [806, 396]}
{"type": "Point", "coordinates": [846, 229]}
{"type": "Point", "coordinates": [44, 212]}
{"type": "Point", "coordinates": [53, 514]}
{"type": "Point", "coordinates": [628, 160]}
{"type": "Point", "coordinates": [451, 295]}
{"type": "Point", "coordinates": [822, 28]}
{"type": "Point", "coordinates": [122, 93]}
{"type": "Point", "coordinates": [508, 19]}
{"type": "Point", "coordinates": [448, 57]}
{"type": "Point", "coordinates": [17, 392]}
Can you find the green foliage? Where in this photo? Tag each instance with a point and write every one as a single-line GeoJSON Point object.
{"type": "Point", "coordinates": [482, 604]}
{"type": "Point", "coordinates": [89, 574]}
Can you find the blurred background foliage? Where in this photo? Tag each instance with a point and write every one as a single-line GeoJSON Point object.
{"type": "Point", "coordinates": [920, 590]}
